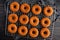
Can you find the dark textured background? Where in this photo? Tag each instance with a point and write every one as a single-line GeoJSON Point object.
{"type": "Point", "coordinates": [2, 22]}
{"type": "Point", "coordinates": [57, 23]}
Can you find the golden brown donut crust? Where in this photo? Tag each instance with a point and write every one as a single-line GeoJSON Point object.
{"type": "Point", "coordinates": [12, 28]}
{"type": "Point", "coordinates": [45, 22]}
{"type": "Point", "coordinates": [24, 19]}
{"type": "Point", "coordinates": [48, 11]}
{"type": "Point", "coordinates": [14, 6]}
{"type": "Point", "coordinates": [25, 8]}
{"type": "Point", "coordinates": [36, 9]}
{"type": "Point", "coordinates": [33, 32]}
{"type": "Point", "coordinates": [22, 30]}
{"type": "Point", "coordinates": [13, 18]}
{"type": "Point", "coordinates": [45, 32]}
{"type": "Point", "coordinates": [34, 21]}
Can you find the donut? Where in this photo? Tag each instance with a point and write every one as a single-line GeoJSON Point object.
{"type": "Point", "coordinates": [22, 30]}
{"type": "Point", "coordinates": [12, 18]}
{"type": "Point", "coordinates": [48, 11]}
{"type": "Point", "coordinates": [36, 9]}
{"type": "Point", "coordinates": [33, 32]}
{"type": "Point", "coordinates": [25, 8]}
{"type": "Point", "coordinates": [45, 22]}
{"type": "Point", "coordinates": [34, 21]}
{"type": "Point", "coordinates": [45, 32]}
{"type": "Point", "coordinates": [24, 19]}
{"type": "Point", "coordinates": [14, 6]}
{"type": "Point", "coordinates": [12, 28]}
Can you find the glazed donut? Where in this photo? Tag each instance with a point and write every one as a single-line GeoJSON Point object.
{"type": "Point", "coordinates": [25, 8]}
{"type": "Point", "coordinates": [34, 21]}
{"type": "Point", "coordinates": [45, 32]}
{"type": "Point", "coordinates": [12, 28]}
{"type": "Point", "coordinates": [36, 9]}
{"type": "Point", "coordinates": [33, 32]}
{"type": "Point", "coordinates": [14, 6]}
{"type": "Point", "coordinates": [12, 18]}
{"type": "Point", "coordinates": [48, 10]}
{"type": "Point", "coordinates": [22, 30]}
{"type": "Point", "coordinates": [45, 22]}
{"type": "Point", "coordinates": [24, 19]}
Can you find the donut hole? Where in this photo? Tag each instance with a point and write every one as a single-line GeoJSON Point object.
{"type": "Point", "coordinates": [46, 22]}
{"type": "Point", "coordinates": [24, 19]}
{"type": "Point", "coordinates": [36, 9]}
{"type": "Point", "coordinates": [48, 10]}
{"type": "Point", "coordinates": [13, 17]}
{"type": "Point", "coordinates": [14, 6]}
{"type": "Point", "coordinates": [25, 8]}
{"type": "Point", "coordinates": [23, 30]}
{"type": "Point", "coordinates": [12, 28]}
{"type": "Point", "coordinates": [34, 21]}
{"type": "Point", "coordinates": [45, 32]}
{"type": "Point", "coordinates": [33, 32]}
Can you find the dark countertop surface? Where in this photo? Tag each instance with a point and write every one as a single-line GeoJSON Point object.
{"type": "Point", "coordinates": [2, 23]}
